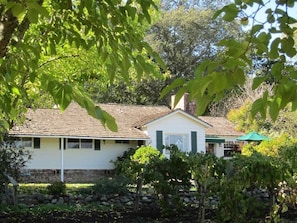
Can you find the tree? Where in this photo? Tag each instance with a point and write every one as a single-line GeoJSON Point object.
{"type": "Point", "coordinates": [214, 77]}
{"type": "Point", "coordinates": [243, 120]}
{"type": "Point", "coordinates": [34, 32]}
{"type": "Point", "coordinates": [186, 36]}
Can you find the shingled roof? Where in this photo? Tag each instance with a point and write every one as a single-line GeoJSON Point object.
{"type": "Point", "coordinates": [75, 122]}
{"type": "Point", "coordinates": [221, 127]}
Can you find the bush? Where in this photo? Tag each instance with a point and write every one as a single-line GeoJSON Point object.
{"type": "Point", "coordinates": [107, 186]}
{"type": "Point", "coordinates": [12, 160]}
{"type": "Point", "coordinates": [57, 188]}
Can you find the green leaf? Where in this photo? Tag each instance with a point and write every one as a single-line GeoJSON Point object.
{"type": "Point", "coordinates": [131, 11]}
{"type": "Point", "coordinates": [277, 69]}
{"type": "Point", "coordinates": [259, 106]}
{"type": "Point", "coordinates": [274, 109]}
{"type": "Point", "coordinates": [217, 13]}
{"type": "Point", "coordinates": [274, 46]}
{"type": "Point", "coordinates": [219, 82]}
{"type": "Point", "coordinates": [202, 103]}
{"type": "Point", "coordinates": [256, 28]}
{"type": "Point", "coordinates": [110, 122]}
{"type": "Point", "coordinates": [178, 82]}
{"type": "Point", "coordinates": [257, 81]}
{"type": "Point", "coordinates": [230, 11]}
{"type": "Point", "coordinates": [98, 114]}
{"type": "Point", "coordinates": [17, 9]}
{"type": "Point", "coordinates": [287, 46]}
{"type": "Point", "coordinates": [179, 94]}
{"type": "Point", "coordinates": [15, 91]}
{"type": "Point", "coordinates": [32, 15]}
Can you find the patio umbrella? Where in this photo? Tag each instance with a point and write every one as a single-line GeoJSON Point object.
{"type": "Point", "coordinates": [253, 136]}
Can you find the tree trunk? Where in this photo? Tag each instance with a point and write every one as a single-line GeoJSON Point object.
{"type": "Point", "coordinates": [8, 24]}
{"type": "Point", "coordinates": [138, 192]}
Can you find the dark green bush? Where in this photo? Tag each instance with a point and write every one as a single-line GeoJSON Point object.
{"type": "Point", "coordinates": [115, 185]}
{"type": "Point", "coordinates": [57, 188]}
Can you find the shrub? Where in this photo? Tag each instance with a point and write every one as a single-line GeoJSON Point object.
{"type": "Point", "coordinates": [12, 160]}
{"type": "Point", "coordinates": [57, 188]}
{"type": "Point", "coordinates": [115, 185]}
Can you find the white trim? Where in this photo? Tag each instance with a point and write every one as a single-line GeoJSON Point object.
{"type": "Point", "coordinates": [76, 137]}
{"type": "Point", "coordinates": [193, 118]}
{"type": "Point", "coordinates": [62, 159]}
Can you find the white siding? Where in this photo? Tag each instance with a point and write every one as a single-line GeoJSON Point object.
{"type": "Point", "coordinates": [49, 155]}
{"type": "Point", "coordinates": [177, 124]}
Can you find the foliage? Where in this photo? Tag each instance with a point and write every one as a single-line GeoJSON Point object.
{"type": "Point", "coordinates": [57, 188]}
{"type": "Point", "coordinates": [284, 124]}
{"type": "Point", "coordinates": [287, 153]}
{"type": "Point", "coordinates": [185, 36]}
{"type": "Point", "coordinates": [74, 189]}
{"type": "Point", "coordinates": [108, 186]}
{"type": "Point", "coordinates": [170, 176]}
{"type": "Point", "coordinates": [36, 34]}
{"type": "Point", "coordinates": [205, 172]}
{"type": "Point", "coordinates": [243, 120]}
{"type": "Point", "coordinates": [135, 163]}
{"type": "Point", "coordinates": [141, 92]}
{"type": "Point", "coordinates": [245, 174]}
{"type": "Point", "coordinates": [271, 147]}
{"type": "Point", "coordinates": [12, 160]}
{"type": "Point", "coordinates": [214, 77]}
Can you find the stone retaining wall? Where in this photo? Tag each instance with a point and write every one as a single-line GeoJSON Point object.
{"type": "Point", "coordinates": [70, 175]}
{"type": "Point", "coordinates": [116, 200]}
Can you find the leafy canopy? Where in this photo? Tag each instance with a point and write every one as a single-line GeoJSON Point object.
{"type": "Point", "coordinates": [214, 77]}
{"type": "Point", "coordinates": [37, 34]}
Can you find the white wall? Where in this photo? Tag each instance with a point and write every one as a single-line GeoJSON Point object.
{"type": "Point", "coordinates": [49, 155]}
{"type": "Point", "coordinates": [177, 123]}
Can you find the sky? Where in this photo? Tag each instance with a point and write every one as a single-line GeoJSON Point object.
{"type": "Point", "coordinates": [261, 16]}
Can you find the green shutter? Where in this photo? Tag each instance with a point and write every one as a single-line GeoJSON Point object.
{"type": "Point", "coordinates": [159, 140]}
{"type": "Point", "coordinates": [97, 144]}
{"type": "Point", "coordinates": [36, 142]}
{"type": "Point", "coordinates": [194, 141]}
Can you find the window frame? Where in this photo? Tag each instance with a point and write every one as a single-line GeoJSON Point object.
{"type": "Point", "coordinates": [22, 142]}
{"type": "Point", "coordinates": [185, 141]}
{"type": "Point", "coordinates": [79, 143]}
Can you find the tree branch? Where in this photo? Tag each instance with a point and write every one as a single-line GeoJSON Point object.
{"type": "Point", "coordinates": [8, 24]}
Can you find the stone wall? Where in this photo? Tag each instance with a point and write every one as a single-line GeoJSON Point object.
{"type": "Point", "coordinates": [70, 175]}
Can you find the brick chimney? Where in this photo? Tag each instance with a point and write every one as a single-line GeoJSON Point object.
{"type": "Point", "coordinates": [184, 104]}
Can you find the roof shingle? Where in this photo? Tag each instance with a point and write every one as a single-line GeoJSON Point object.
{"type": "Point", "coordinates": [221, 127]}
{"type": "Point", "coordinates": [76, 122]}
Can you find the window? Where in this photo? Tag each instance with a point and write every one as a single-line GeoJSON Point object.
{"type": "Point", "coordinates": [73, 144]}
{"type": "Point", "coordinates": [27, 142]}
{"type": "Point", "coordinates": [86, 143]}
{"type": "Point", "coordinates": [22, 142]}
{"type": "Point", "coordinates": [231, 145]}
{"type": "Point", "coordinates": [122, 141]}
{"type": "Point", "coordinates": [180, 140]}
{"type": "Point", "coordinates": [79, 143]}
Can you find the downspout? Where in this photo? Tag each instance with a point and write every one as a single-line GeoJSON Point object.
{"type": "Point", "coordinates": [62, 159]}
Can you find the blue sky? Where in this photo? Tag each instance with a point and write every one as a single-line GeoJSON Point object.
{"type": "Point", "coordinates": [262, 16]}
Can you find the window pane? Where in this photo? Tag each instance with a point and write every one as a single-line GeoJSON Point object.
{"type": "Point", "coordinates": [122, 141]}
{"type": "Point", "coordinates": [181, 141]}
{"type": "Point", "coordinates": [73, 144]}
{"type": "Point", "coordinates": [15, 141]}
{"type": "Point", "coordinates": [27, 142]}
{"type": "Point", "coordinates": [86, 143]}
